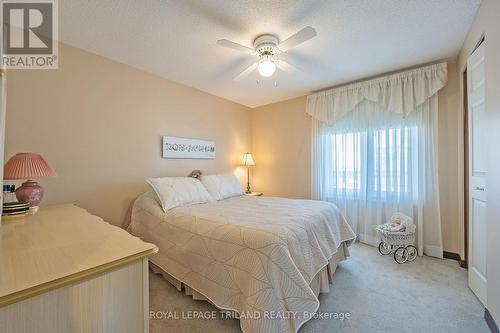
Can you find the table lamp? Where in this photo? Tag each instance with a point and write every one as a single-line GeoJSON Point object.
{"type": "Point", "coordinates": [28, 166]}
{"type": "Point", "coordinates": [248, 162]}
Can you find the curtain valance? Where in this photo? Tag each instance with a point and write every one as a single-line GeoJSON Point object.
{"type": "Point", "coordinates": [399, 93]}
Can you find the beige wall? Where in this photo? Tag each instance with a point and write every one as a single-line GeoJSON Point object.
{"type": "Point", "coordinates": [2, 132]}
{"type": "Point", "coordinates": [487, 23]}
{"type": "Point", "coordinates": [281, 144]}
{"type": "Point", "coordinates": [99, 123]}
{"type": "Point", "coordinates": [450, 121]}
{"type": "Point", "coordinates": [281, 135]}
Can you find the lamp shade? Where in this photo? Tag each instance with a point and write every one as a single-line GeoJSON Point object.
{"type": "Point", "coordinates": [27, 166]}
{"type": "Point", "coordinates": [247, 160]}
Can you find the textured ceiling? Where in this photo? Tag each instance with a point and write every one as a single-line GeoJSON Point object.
{"type": "Point", "coordinates": [356, 39]}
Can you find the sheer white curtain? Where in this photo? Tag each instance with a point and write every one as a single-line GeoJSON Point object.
{"type": "Point", "coordinates": [378, 154]}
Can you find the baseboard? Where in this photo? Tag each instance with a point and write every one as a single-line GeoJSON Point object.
{"type": "Point", "coordinates": [490, 321]}
{"type": "Point", "coordinates": [451, 255]}
{"type": "Point", "coordinates": [454, 256]}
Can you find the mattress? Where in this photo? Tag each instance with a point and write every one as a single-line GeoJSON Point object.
{"type": "Point", "coordinates": [257, 256]}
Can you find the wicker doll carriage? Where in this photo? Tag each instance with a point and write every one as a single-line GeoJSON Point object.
{"type": "Point", "coordinates": [399, 243]}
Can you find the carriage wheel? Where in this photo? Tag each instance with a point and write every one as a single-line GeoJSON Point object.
{"type": "Point", "coordinates": [384, 249]}
{"type": "Point", "coordinates": [401, 255]}
{"type": "Point", "coordinates": [412, 252]}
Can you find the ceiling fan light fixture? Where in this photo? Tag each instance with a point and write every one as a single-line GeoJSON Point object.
{"type": "Point", "coordinates": [266, 67]}
{"type": "Point", "coordinates": [266, 47]}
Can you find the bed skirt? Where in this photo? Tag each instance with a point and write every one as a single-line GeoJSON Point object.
{"type": "Point", "coordinates": [319, 284]}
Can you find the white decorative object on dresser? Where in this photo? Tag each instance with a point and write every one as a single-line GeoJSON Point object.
{"type": "Point", "coordinates": [65, 270]}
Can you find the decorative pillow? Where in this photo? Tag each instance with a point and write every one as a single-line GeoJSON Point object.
{"type": "Point", "coordinates": [172, 192]}
{"type": "Point", "coordinates": [222, 186]}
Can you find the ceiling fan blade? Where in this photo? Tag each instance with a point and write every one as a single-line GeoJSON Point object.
{"type": "Point", "coordinates": [246, 72]}
{"type": "Point", "coordinates": [285, 66]}
{"type": "Point", "coordinates": [298, 38]}
{"type": "Point", "coordinates": [233, 45]}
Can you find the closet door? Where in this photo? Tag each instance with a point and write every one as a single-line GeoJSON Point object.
{"type": "Point", "coordinates": [478, 148]}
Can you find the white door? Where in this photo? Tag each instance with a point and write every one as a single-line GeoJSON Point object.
{"type": "Point", "coordinates": [477, 147]}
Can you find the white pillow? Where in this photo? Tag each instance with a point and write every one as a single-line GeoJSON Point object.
{"type": "Point", "coordinates": [222, 186]}
{"type": "Point", "coordinates": [172, 192]}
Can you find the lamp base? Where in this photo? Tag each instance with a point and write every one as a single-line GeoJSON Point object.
{"type": "Point", "coordinates": [33, 210]}
{"type": "Point", "coordinates": [30, 192]}
{"type": "Point", "coordinates": [248, 191]}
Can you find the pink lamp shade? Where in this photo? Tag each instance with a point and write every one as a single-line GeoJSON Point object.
{"type": "Point", "coordinates": [28, 166]}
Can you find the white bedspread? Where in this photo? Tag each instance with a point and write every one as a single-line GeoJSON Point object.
{"type": "Point", "coordinates": [253, 255]}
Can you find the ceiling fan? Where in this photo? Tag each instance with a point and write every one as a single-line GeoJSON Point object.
{"type": "Point", "coordinates": [267, 47]}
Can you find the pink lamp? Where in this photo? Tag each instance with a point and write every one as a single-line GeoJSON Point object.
{"type": "Point", "coordinates": [28, 166]}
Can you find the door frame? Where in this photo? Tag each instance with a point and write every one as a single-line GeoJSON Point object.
{"type": "Point", "coordinates": [464, 263]}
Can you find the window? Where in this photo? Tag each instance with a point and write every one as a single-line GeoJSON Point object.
{"type": "Point", "coordinates": [347, 160]}
{"type": "Point", "coordinates": [374, 164]}
{"type": "Point", "coordinates": [375, 151]}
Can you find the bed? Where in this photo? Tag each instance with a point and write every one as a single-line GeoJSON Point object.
{"type": "Point", "coordinates": [264, 258]}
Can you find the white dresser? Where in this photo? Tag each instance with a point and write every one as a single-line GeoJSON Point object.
{"type": "Point", "coordinates": [64, 270]}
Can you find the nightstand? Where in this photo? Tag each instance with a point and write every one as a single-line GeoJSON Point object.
{"type": "Point", "coordinates": [254, 194]}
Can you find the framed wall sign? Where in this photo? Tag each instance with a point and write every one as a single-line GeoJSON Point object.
{"type": "Point", "coordinates": [173, 147]}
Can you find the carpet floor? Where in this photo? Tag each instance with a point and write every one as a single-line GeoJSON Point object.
{"type": "Point", "coordinates": [428, 295]}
